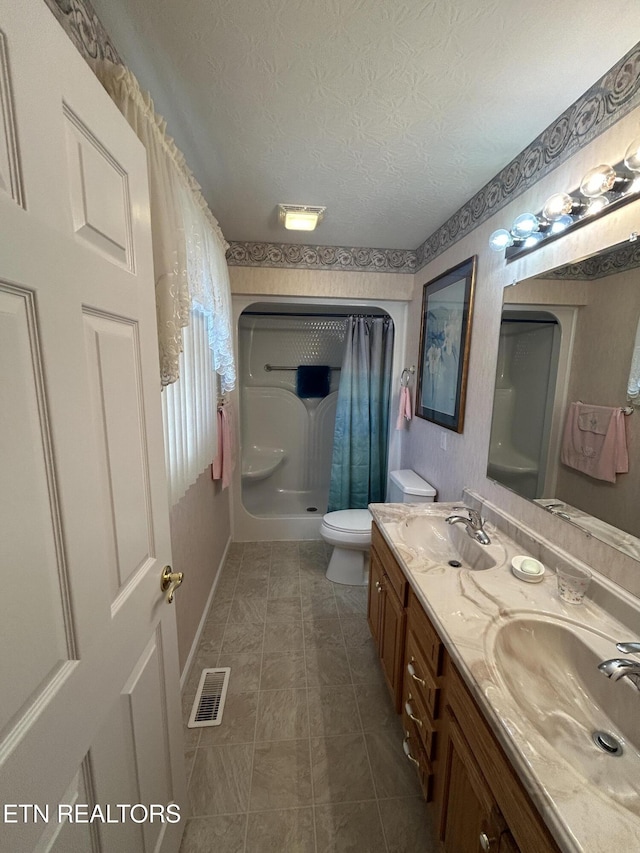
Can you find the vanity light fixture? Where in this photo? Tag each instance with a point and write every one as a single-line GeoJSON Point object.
{"type": "Point", "coordinates": [602, 189]}
{"type": "Point", "coordinates": [300, 217]}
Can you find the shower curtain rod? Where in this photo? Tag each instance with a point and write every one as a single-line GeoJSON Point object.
{"type": "Point", "coordinates": [324, 315]}
{"type": "Point", "coordinates": [539, 320]}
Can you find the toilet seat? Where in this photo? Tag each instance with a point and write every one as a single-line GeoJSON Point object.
{"type": "Point", "coordinates": [354, 521]}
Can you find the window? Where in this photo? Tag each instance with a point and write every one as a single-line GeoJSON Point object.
{"type": "Point", "coordinates": [189, 409]}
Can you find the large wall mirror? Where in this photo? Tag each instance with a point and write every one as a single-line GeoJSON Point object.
{"type": "Point", "coordinates": [567, 336]}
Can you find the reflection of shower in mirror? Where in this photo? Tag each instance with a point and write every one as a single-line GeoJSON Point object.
{"type": "Point", "coordinates": [596, 301]}
{"type": "Point", "coordinates": [526, 376]}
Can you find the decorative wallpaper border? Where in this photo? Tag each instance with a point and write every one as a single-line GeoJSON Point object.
{"type": "Point", "coordinates": [606, 102]}
{"type": "Point", "coordinates": [80, 22]}
{"type": "Point", "coordinates": [619, 259]}
{"type": "Point", "coordinates": [601, 106]}
{"type": "Point", "coordinates": [292, 256]}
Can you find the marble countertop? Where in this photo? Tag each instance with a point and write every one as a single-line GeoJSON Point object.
{"type": "Point", "coordinates": [589, 800]}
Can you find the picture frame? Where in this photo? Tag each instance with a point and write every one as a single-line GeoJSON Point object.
{"type": "Point", "coordinates": [445, 341]}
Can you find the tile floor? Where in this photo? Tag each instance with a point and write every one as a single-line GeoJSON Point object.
{"type": "Point", "coordinates": [308, 758]}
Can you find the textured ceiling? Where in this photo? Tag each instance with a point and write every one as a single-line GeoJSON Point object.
{"type": "Point", "coordinates": [392, 113]}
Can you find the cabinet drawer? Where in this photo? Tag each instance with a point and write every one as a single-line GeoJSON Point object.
{"type": "Point", "coordinates": [418, 676]}
{"type": "Point", "coordinates": [415, 754]}
{"type": "Point", "coordinates": [393, 571]}
{"type": "Point", "coordinates": [425, 727]}
{"type": "Point", "coordinates": [425, 634]}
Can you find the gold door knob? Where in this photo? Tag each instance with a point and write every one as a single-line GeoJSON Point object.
{"type": "Point", "coordinates": [170, 581]}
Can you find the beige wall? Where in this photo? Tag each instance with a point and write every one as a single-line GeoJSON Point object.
{"type": "Point", "coordinates": [200, 532]}
{"type": "Point", "coordinates": [464, 462]}
{"type": "Point", "coordinates": [327, 283]}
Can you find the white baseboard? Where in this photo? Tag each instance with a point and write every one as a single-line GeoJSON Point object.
{"type": "Point", "coordinates": [196, 640]}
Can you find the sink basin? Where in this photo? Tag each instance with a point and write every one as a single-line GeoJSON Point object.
{"type": "Point", "coordinates": [430, 536]}
{"type": "Point", "coordinates": [549, 667]}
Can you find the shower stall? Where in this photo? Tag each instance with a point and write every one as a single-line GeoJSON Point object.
{"type": "Point", "coordinates": [523, 400]}
{"type": "Point", "coordinates": [281, 484]}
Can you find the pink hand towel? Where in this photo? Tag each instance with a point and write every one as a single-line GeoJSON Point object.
{"type": "Point", "coordinates": [216, 465]}
{"type": "Point", "coordinates": [404, 411]}
{"type": "Point", "coordinates": [225, 461]}
{"type": "Point", "coordinates": [595, 441]}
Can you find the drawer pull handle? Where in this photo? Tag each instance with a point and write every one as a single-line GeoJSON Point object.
{"type": "Point", "coordinates": [410, 714]}
{"type": "Point", "coordinates": [412, 673]}
{"type": "Point", "coordinates": [407, 752]}
{"type": "Point", "coordinates": [486, 842]}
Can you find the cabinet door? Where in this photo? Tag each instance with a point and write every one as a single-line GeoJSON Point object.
{"type": "Point", "coordinates": [374, 607]}
{"type": "Point", "coordinates": [507, 844]}
{"type": "Point", "coordinates": [470, 819]}
{"type": "Point", "coordinates": [393, 619]}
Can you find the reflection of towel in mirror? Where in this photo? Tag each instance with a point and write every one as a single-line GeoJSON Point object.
{"type": "Point", "coordinates": [595, 441]}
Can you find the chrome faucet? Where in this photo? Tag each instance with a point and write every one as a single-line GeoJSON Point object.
{"type": "Point", "coordinates": [472, 522]}
{"type": "Point", "coordinates": [618, 668]}
{"type": "Point", "coordinates": [554, 509]}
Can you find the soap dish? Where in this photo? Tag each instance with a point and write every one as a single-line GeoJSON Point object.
{"type": "Point", "coordinates": [527, 569]}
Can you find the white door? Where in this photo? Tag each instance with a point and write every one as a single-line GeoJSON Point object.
{"type": "Point", "coordinates": [89, 699]}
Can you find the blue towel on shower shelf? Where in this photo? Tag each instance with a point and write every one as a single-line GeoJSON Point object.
{"type": "Point", "coordinates": [313, 380]}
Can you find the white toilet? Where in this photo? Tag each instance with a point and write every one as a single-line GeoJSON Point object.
{"type": "Point", "coordinates": [349, 530]}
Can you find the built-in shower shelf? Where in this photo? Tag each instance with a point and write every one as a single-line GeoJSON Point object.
{"type": "Point", "coordinates": [258, 463]}
{"type": "Point", "coordinates": [509, 461]}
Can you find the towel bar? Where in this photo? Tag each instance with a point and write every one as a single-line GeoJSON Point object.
{"type": "Point", "coordinates": [270, 367]}
{"type": "Point", "coordinates": [404, 380]}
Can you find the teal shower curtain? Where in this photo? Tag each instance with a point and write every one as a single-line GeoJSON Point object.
{"type": "Point", "coordinates": [360, 445]}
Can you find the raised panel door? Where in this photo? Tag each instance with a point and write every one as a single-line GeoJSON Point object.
{"type": "Point", "coordinates": [393, 619]}
{"type": "Point", "coordinates": [90, 707]}
{"type": "Point", "coordinates": [468, 809]}
{"type": "Point", "coordinates": [374, 605]}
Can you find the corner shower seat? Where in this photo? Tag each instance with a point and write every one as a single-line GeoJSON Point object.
{"type": "Point", "coordinates": [258, 463]}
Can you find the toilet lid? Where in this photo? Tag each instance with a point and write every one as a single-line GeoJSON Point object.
{"type": "Point", "coordinates": [349, 520]}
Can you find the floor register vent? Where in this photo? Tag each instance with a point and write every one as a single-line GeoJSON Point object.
{"type": "Point", "coordinates": [209, 702]}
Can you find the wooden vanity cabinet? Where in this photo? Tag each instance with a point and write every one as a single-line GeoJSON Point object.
{"type": "Point", "coordinates": [480, 803]}
{"type": "Point", "coordinates": [470, 819]}
{"type": "Point", "coordinates": [421, 691]}
{"type": "Point", "coordinates": [386, 612]}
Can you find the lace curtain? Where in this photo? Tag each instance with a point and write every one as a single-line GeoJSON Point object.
{"type": "Point", "coordinates": [633, 385]}
{"type": "Point", "coordinates": [188, 246]}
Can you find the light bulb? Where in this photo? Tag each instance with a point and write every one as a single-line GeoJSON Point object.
{"type": "Point", "coordinates": [525, 225]}
{"type": "Point", "coordinates": [558, 205]}
{"type": "Point", "coordinates": [632, 156]}
{"type": "Point", "coordinates": [598, 181]}
{"type": "Point", "coordinates": [533, 239]}
{"type": "Point", "coordinates": [561, 223]}
{"type": "Point", "coordinates": [596, 205]}
{"type": "Point", "coordinates": [500, 240]}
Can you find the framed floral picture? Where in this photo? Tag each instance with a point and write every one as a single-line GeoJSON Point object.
{"type": "Point", "coordinates": [445, 338]}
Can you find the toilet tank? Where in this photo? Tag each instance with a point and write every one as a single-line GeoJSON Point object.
{"type": "Point", "coordinates": [407, 487]}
